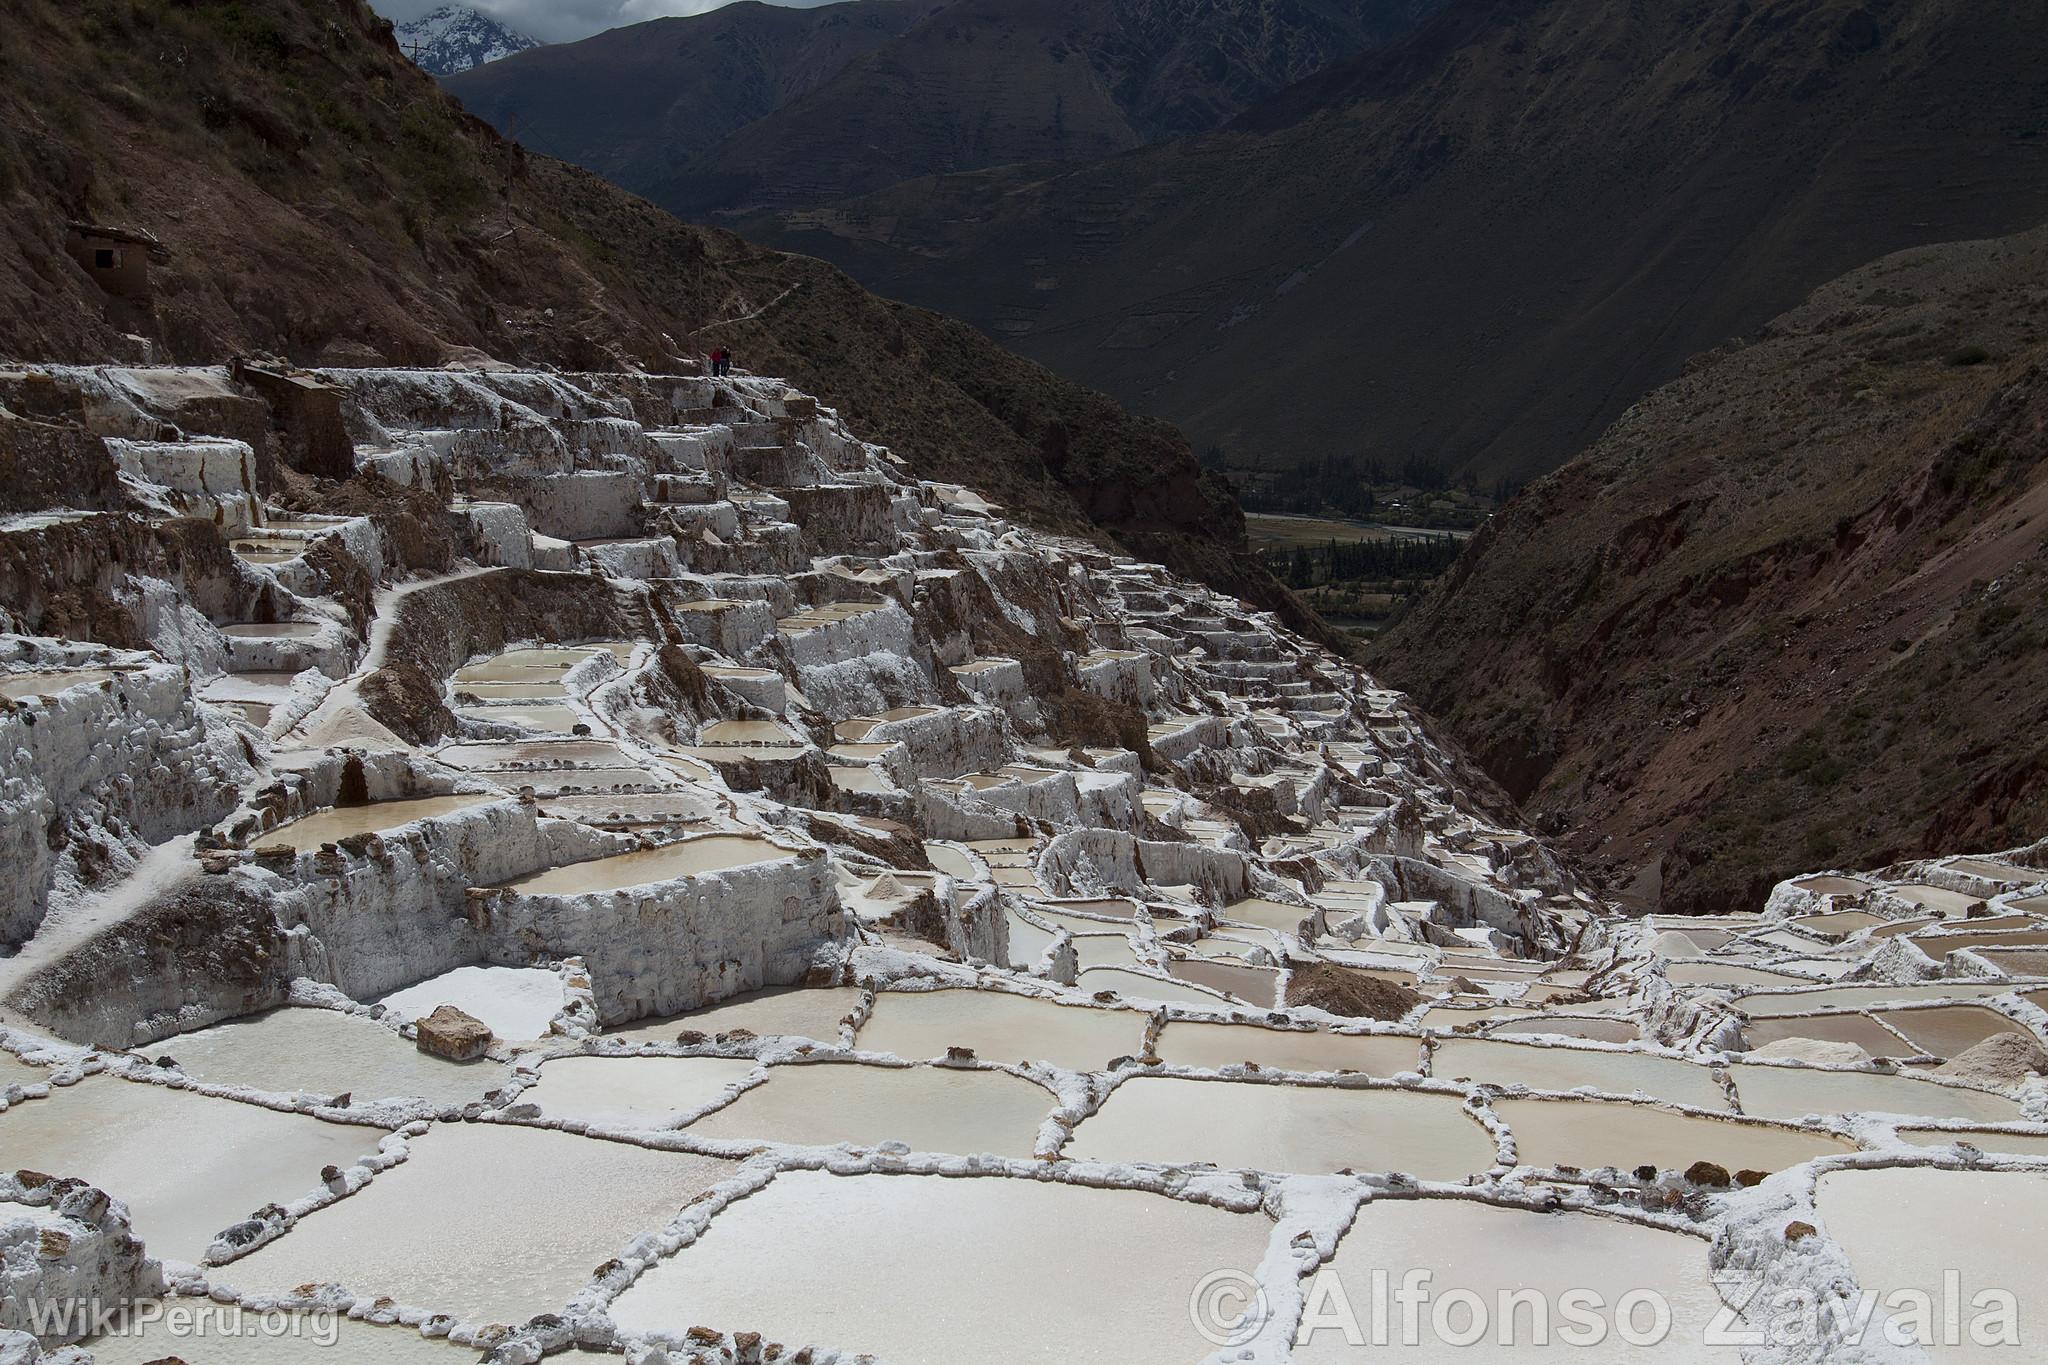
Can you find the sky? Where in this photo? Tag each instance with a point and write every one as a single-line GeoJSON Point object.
{"type": "Point", "coordinates": [559, 21]}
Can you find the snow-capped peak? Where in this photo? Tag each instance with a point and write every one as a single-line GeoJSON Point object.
{"type": "Point", "coordinates": [455, 38]}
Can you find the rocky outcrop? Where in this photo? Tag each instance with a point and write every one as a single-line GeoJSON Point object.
{"type": "Point", "coordinates": [451, 1034]}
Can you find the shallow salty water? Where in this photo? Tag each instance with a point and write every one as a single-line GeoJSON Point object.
{"type": "Point", "coordinates": [188, 1166]}
{"type": "Point", "coordinates": [1137, 986]}
{"type": "Point", "coordinates": [1309, 1129]}
{"type": "Point", "coordinates": [916, 1025]}
{"type": "Point", "coordinates": [779, 1010]}
{"type": "Point", "coordinates": [2008, 1144]}
{"type": "Point", "coordinates": [934, 1109]}
{"type": "Point", "coordinates": [1916, 1229]}
{"type": "Point", "coordinates": [634, 1092]}
{"type": "Point", "coordinates": [689, 858]}
{"type": "Point", "coordinates": [1594, 1133]}
{"type": "Point", "coordinates": [1791, 1093]}
{"type": "Point", "coordinates": [1218, 1045]}
{"type": "Point", "coordinates": [1560, 1068]}
{"type": "Point", "coordinates": [1947, 1030]}
{"type": "Point", "coordinates": [379, 817]}
{"type": "Point", "coordinates": [1257, 985]}
{"type": "Point", "coordinates": [327, 1053]}
{"type": "Point", "coordinates": [1859, 1029]}
{"type": "Point", "coordinates": [922, 1270]}
{"type": "Point", "coordinates": [1467, 1247]}
{"type": "Point", "coordinates": [489, 1222]}
{"type": "Point", "coordinates": [516, 1002]}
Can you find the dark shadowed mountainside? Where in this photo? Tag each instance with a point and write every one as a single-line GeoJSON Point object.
{"type": "Point", "coordinates": [634, 103]}
{"type": "Point", "coordinates": [314, 194]}
{"type": "Point", "coordinates": [1792, 610]}
{"type": "Point", "coordinates": [921, 87]}
{"type": "Point", "coordinates": [1480, 244]}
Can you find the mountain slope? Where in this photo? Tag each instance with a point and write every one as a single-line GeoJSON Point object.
{"type": "Point", "coordinates": [746, 107]}
{"type": "Point", "coordinates": [633, 103]}
{"type": "Point", "coordinates": [1482, 243]}
{"type": "Point", "coordinates": [318, 196]}
{"type": "Point", "coordinates": [457, 38]}
{"type": "Point", "coordinates": [1791, 611]}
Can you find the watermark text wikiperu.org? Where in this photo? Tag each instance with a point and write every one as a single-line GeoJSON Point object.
{"type": "Point", "coordinates": [1418, 1307]}
{"type": "Point", "coordinates": [177, 1320]}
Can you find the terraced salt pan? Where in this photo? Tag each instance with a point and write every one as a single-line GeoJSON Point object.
{"type": "Point", "coordinates": [14, 1071]}
{"type": "Point", "coordinates": [1103, 950]}
{"type": "Point", "coordinates": [1257, 985]}
{"type": "Point", "coordinates": [1946, 1030]}
{"type": "Point", "coordinates": [1028, 942]}
{"type": "Point", "coordinates": [516, 1002]}
{"type": "Point", "coordinates": [917, 1025]}
{"type": "Point", "coordinates": [1791, 1093]}
{"type": "Point", "coordinates": [934, 1109]}
{"type": "Point", "coordinates": [923, 1270]}
{"type": "Point", "coordinates": [1724, 974]}
{"type": "Point", "coordinates": [1939, 899]}
{"type": "Point", "coordinates": [1212, 1046]}
{"type": "Point", "coordinates": [551, 720]}
{"type": "Point", "coordinates": [1477, 1248]}
{"type": "Point", "coordinates": [790, 1011]}
{"type": "Point", "coordinates": [1564, 1068]}
{"type": "Point", "coordinates": [686, 858]}
{"type": "Point", "coordinates": [1137, 986]}
{"type": "Point", "coordinates": [553, 753]}
{"type": "Point", "coordinates": [1592, 1133]}
{"type": "Point", "coordinates": [2002, 1144]}
{"type": "Point", "coordinates": [952, 861]}
{"type": "Point", "coordinates": [1308, 1129]}
{"type": "Point", "coordinates": [1570, 1026]}
{"type": "Point", "coordinates": [327, 1053]}
{"type": "Point", "coordinates": [474, 1222]}
{"type": "Point", "coordinates": [379, 817]}
{"type": "Point", "coordinates": [1267, 914]}
{"type": "Point", "coordinates": [352, 1342]}
{"type": "Point", "coordinates": [1854, 997]}
{"type": "Point", "coordinates": [1914, 1229]}
{"type": "Point", "coordinates": [188, 1166]}
{"type": "Point", "coordinates": [634, 1092]}
{"type": "Point", "coordinates": [1859, 1029]}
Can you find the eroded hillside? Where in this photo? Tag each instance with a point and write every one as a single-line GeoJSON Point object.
{"type": "Point", "coordinates": [1791, 610]}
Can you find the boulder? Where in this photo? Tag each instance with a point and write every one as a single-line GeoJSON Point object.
{"type": "Point", "coordinates": [449, 1032]}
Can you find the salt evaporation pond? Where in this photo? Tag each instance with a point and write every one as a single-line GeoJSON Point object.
{"type": "Point", "coordinates": [327, 1053]}
{"type": "Point", "coordinates": [642, 867]}
{"type": "Point", "coordinates": [14, 1071]}
{"type": "Point", "coordinates": [634, 1092]}
{"type": "Point", "coordinates": [1914, 1229]}
{"type": "Point", "coordinates": [187, 1166]}
{"type": "Point", "coordinates": [357, 1343]}
{"type": "Point", "coordinates": [923, 1270]}
{"type": "Point", "coordinates": [788, 1010]}
{"type": "Point", "coordinates": [1473, 1248]}
{"type": "Point", "coordinates": [1211, 1046]}
{"type": "Point", "coordinates": [1138, 986]}
{"type": "Point", "coordinates": [1570, 1026]}
{"type": "Point", "coordinates": [488, 1222]}
{"type": "Point", "coordinates": [19, 686]}
{"type": "Point", "coordinates": [1258, 985]}
{"type": "Point", "coordinates": [1853, 997]}
{"type": "Point", "coordinates": [1946, 1030]}
{"type": "Point", "coordinates": [1791, 1093]}
{"type": "Point", "coordinates": [515, 1002]}
{"type": "Point", "coordinates": [934, 1109]}
{"type": "Point", "coordinates": [1028, 942]}
{"type": "Point", "coordinates": [1567, 1068]}
{"type": "Point", "coordinates": [2004, 1144]}
{"type": "Point", "coordinates": [379, 817]}
{"type": "Point", "coordinates": [1592, 1133]}
{"type": "Point", "coordinates": [1857, 1029]}
{"type": "Point", "coordinates": [916, 1025]}
{"type": "Point", "coordinates": [1309, 1129]}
